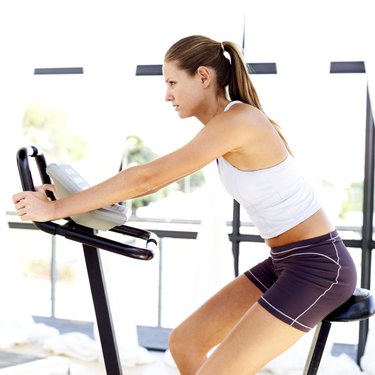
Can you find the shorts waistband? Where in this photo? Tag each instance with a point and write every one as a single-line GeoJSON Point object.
{"type": "Point", "coordinates": [310, 241]}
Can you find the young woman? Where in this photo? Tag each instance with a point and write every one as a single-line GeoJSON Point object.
{"type": "Point", "coordinates": [309, 272]}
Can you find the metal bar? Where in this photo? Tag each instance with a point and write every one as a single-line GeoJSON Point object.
{"type": "Point", "coordinates": [262, 68]}
{"type": "Point", "coordinates": [246, 237]}
{"type": "Point", "coordinates": [53, 276]}
{"type": "Point", "coordinates": [317, 348]}
{"type": "Point", "coordinates": [347, 67]}
{"type": "Point", "coordinates": [193, 234]}
{"type": "Point", "coordinates": [149, 70]}
{"type": "Point", "coordinates": [368, 211]}
{"type": "Point", "coordinates": [368, 191]}
{"type": "Point", "coordinates": [52, 71]}
{"type": "Point", "coordinates": [180, 234]}
{"type": "Point", "coordinates": [102, 310]}
{"type": "Point", "coordinates": [79, 234]}
{"type": "Point", "coordinates": [160, 282]}
{"type": "Point", "coordinates": [21, 225]}
{"type": "Point", "coordinates": [253, 68]}
{"type": "Point", "coordinates": [234, 236]}
{"type": "Point", "coordinates": [353, 243]}
{"type": "Point", "coordinates": [368, 196]}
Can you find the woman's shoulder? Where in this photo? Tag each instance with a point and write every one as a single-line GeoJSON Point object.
{"type": "Point", "coordinates": [244, 115]}
{"type": "Point", "coordinates": [247, 109]}
{"type": "Point", "coordinates": [241, 126]}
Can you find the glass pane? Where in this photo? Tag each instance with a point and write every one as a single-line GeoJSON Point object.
{"type": "Point", "coordinates": [73, 296]}
{"type": "Point", "coordinates": [156, 123]}
{"type": "Point", "coordinates": [132, 285]}
{"type": "Point", "coordinates": [31, 256]}
{"type": "Point", "coordinates": [252, 253]}
{"type": "Point", "coordinates": [324, 123]}
{"type": "Point", "coordinates": [192, 271]}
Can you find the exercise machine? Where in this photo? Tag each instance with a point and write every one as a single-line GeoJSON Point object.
{"type": "Point", "coordinates": [85, 230]}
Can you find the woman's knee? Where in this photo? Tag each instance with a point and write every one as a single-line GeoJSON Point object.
{"type": "Point", "coordinates": [182, 340]}
{"type": "Point", "coordinates": [178, 341]}
{"type": "Point", "coordinates": [173, 340]}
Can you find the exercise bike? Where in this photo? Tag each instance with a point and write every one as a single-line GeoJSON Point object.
{"type": "Point", "coordinates": [84, 229]}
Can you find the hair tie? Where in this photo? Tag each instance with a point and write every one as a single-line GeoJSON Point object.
{"type": "Point", "coordinates": [226, 53]}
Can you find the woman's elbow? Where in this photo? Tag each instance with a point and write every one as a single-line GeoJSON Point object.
{"type": "Point", "coordinates": [143, 182]}
{"type": "Point", "coordinates": [147, 185]}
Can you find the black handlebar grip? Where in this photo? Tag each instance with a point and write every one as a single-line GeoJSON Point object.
{"type": "Point", "coordinates": [24, 169]}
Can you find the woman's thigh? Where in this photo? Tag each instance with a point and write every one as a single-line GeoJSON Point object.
{"type": "Point", "coordinates": [209, 325]}
{"type": "Point", "coordinates": [252, 343]}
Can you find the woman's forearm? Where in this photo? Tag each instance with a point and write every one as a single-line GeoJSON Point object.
{"type": "Point", "coordinates": [127, 184]}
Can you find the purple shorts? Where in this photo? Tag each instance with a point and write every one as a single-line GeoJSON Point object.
{"type": "Point", "coordinates": [304, 281]}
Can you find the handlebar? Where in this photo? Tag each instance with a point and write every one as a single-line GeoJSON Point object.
{"type": "Point", "coordinates": [76, 232]}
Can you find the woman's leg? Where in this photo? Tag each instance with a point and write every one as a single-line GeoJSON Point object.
{"type": "Point", "coordinates": [252, 343]}
{"type": "Point", "coordinates": [210, 324]}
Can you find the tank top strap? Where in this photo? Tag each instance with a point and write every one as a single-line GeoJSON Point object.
{"type": "Point", "coordinates": [229, 105]}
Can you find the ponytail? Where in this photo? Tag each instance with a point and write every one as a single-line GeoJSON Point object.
{"type": "Point", "coordinates": [240, 86]}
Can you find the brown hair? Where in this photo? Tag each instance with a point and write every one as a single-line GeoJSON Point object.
{"type": "Point", "coordinates": [231, 70]}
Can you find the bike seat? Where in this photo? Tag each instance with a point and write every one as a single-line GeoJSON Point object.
{"type": "Point", "coordinates": [361, 305]}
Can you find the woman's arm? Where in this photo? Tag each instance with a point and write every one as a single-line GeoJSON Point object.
{"type": "Point", "coordinates": [221, 135]}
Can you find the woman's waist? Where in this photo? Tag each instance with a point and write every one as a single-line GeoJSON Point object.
{"type": "Point", "coordinates": [315, 226]}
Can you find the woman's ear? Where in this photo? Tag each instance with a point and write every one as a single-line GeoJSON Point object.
{"type": "Point", "coordinates": [204, 75]}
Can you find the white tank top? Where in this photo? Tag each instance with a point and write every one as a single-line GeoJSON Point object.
{"type": "Point", "coordinates": [276, 198]}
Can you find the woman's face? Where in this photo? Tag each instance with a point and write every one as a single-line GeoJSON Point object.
{"type": "Point", "coordinates": [184, 91]}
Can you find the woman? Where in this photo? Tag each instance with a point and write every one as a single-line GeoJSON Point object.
{"type": "Point", "coordinates": [263, 312]}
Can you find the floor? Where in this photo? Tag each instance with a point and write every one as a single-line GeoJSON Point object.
{"type": "Point", "coordinates": [35, 359]}
{"type": "Point", "coordinates": [160, 365]}
{"type": "Point", "coordinates": [154, 362]}
{"type": "Point", "coordinates": [147, 337]}
{"type": "Point", "coordinates": [59, 365]}
{"type": "Point", "coordinates": [156, 368]}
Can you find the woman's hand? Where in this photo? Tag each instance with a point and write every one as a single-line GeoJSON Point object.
{"type": "Point", "coordinates": [35, 205]}
{"type": "Point", "coordinates": [48, 188]}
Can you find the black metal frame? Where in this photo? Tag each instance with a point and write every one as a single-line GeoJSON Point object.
{"type": "Point", "coordinates": [368, 194]}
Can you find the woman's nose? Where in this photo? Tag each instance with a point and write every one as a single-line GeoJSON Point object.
{"type": "Point", "coordinates": [168, 97]}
